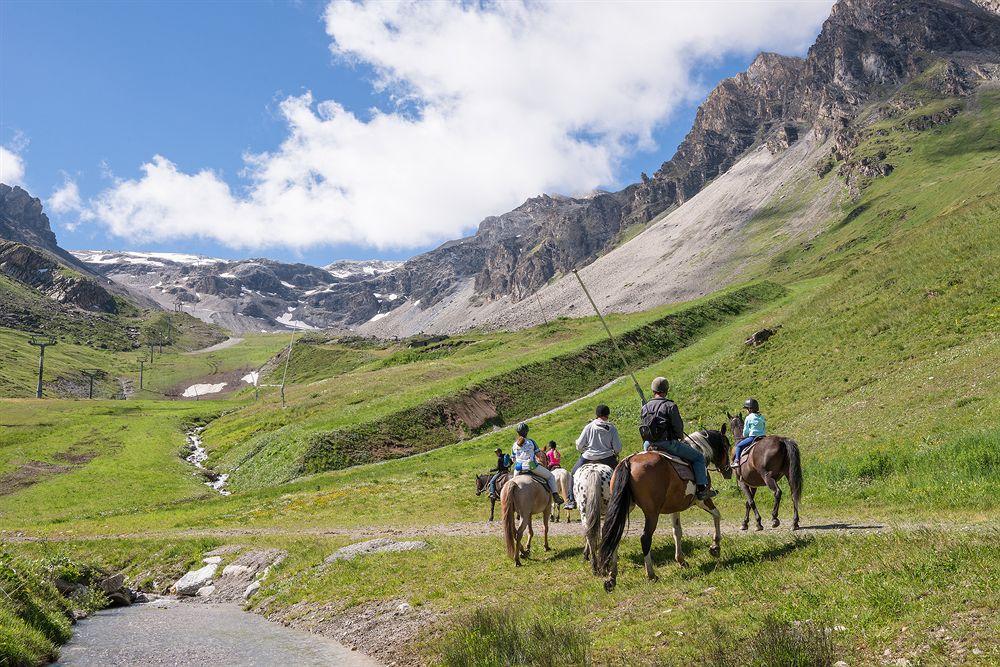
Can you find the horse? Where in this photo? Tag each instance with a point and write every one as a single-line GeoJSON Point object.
{"type": "Point", "coordinates": [592, 488]}
{"type": "Point", "coordinates": [482, 484]}
{"type": "Point", "coordinates": [564, 482]}
{"type": "Point", "coordinates": [767, 461]}
{"type": "Point", "coordinates": [649, 480]}
{"type": "Point", "coordinates": [525, 496]}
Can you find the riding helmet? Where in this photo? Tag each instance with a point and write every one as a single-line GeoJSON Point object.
{"type": "Point", "coordinates": [752, 405]}
{"type": "Point", "coordinates": [522, 429]}
{"type": "Point", "coordinates": [660, 386]}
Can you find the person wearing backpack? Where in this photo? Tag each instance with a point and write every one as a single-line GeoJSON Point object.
{"type": "Point", "coordinates": [503, 465]}
{"type": "Point", "coordinates": [663, 429]}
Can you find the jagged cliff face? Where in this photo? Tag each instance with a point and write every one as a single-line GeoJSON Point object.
{"type": "Point", "coordinates": [22, 219]}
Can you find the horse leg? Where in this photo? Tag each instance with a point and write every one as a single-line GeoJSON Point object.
{"type": "Point", "coordinates": [776, 490]}
{"type": "Point", "coordinates": [678, 536]}
{"type": "Point", "coordinates": [647, 544]}
{"type": "Point", "coordinates": [531, 536]}
{"type": "Point", "coordinates": [752, 495]}
{"type": "Point", "coordinates": [524, 525]}
{"type": "Point", "coordinates": [493, 506]}
{"type": "Point", "coordinates": [746, 502]}
{"type": "Point", "coordinates": [710, 507]}
{"type": "Point", "coordinates": [545, 531]}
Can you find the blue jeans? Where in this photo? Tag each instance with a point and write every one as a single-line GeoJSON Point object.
{"type": "Point", "coordinates": [687, 453]}
{"type": "Point", "coordinates": [741, 445]}
{"type": "Point", "coordinates": [493, 483]}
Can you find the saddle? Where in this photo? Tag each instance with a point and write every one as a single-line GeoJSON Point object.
{"type": "Point", "coordinates": [745, 454]}
{"type": "Point", "coordinates": [537, 478]}
{"type": "Point", "coordinates": [681, 467]}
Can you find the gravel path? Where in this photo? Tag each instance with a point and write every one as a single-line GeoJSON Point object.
{"type": "Point", "coordinates": [229, 342]}
{"type": "Point", "coordinates": [169, 632]}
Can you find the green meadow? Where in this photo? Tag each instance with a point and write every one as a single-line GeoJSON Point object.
{"type": "Point", "coordinates": [885, 368]}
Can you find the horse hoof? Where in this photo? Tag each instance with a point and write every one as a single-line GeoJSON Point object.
{"type": "Point", "coordinates": [745, 526]}
{"type": "Point", "coordinates": [683, 563]}
{"type": "Point", "coordinates": [548, 548]}
{"type": "Point", "coordinates": [609, 586]}
{"type": "Point", "coordinates": [715, 551]}
{"type": "Point", "coordinates": [760, 526]}
{"type": "Point", "coordinates": [775, 523]}
{"type": "Point", "coordinates": [795, 526]}
{"type": "Point", "coordinates": [517, 563]}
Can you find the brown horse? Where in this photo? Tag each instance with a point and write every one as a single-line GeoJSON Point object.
{"type": "Point", "coordinates": [650, 481]}
{"type": "Point", "coordinates": [767, 461]}
{"type": "Point", "coordinates": [483, 483]}
{"type": "Point", "coordinates": [524, 496]}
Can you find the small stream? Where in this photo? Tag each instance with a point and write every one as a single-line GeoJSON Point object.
{"type": "Point", "coordinates": [197, 458]}
{"type": "Point", "coordinates": [170, 632]}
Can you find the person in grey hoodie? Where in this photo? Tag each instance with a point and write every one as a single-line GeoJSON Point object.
{"type": "Point", "coordinates": [598, 443]}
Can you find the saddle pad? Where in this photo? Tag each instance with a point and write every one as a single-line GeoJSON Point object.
{"type": "Point", "coordinates": [745, 454]}
{"type": "Point", "coordinates": [540, 480]}
{"type": "Point", "coordinates": [683, 468]}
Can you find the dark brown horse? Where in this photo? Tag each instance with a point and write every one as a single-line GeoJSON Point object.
{"type": "Point", "coordinates": [767, 461]}
{"type": "Point", "coordinates": [483, 483]}
{"type": "Point", "coordinates": [650, 481]}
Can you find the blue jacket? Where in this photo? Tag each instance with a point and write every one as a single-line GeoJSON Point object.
{"type": "Point", "coordinates": [754, 425]}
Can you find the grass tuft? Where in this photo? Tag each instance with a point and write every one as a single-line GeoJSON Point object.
{"type": "Point", "coordinates": [775, 643]}
{"type": "Point", "coordinates": [490, 637]}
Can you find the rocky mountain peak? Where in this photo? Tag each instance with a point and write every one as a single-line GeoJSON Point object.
{"type": "Point", "coordinates": [22, 219]}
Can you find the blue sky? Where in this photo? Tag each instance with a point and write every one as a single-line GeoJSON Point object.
{"type": "Point", "coordinates": [99, 87]}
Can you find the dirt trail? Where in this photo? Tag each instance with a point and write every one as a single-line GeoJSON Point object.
{"type": "Point", "coordinates": [694, 525]}
{"type": "Point", "coordinates": [229, 342]}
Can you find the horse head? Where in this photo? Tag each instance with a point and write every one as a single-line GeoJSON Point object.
{"type": "Point", "coordinates": [735, 424]}
{"type": "Point", "coordinates": [481, 482]}
{"type": "Point", "coordinates": [720, 450]}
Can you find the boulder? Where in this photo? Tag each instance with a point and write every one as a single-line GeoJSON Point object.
{"type": "Point", "coordinates": [251, 589]}
{"type": "Point", "coordinates": [212, 560]}
{"type": "Point", "coordinates": [379, 545]}
{"type": "Point", "coordinates": [192, 581]}
{"type": "Point", "coordinates": [205, 591]}
{"type": "Point", "coordinates": [235, 570]}
{"type": "Point", "coordinates": [112, 583]}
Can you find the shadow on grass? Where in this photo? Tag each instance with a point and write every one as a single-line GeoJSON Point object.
{"type": "Point", "coordinates": [771, 553]}
{"type": "Point", "coordinates": [572, 552]}
{"type": "Point", "coordinates": [844, 526]}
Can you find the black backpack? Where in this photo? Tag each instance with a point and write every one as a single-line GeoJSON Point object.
{"type": "Point", "coordinates": [656, 424]}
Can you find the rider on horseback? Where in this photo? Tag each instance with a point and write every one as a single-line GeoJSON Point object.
{"type": "Point", "coordinates": [503, 465]}
{"type": "Point", "coordinates": [598, 443]}
{"type": "Point", "coordinates": [526, 454]}
{"type": "Point", "coordinates": [663, 429]}
{"type": "Point", "coordinates": [753, 427]}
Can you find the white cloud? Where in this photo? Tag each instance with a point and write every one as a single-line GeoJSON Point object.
{"type": "Point", "coordinates": [11, 166]}
{"type": "Point", "coordinates": [66, 198]}
{"type": "Point", "coordinates": [496, 103]}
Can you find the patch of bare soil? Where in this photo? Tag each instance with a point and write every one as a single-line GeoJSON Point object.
{"type": "Point", "coordinates": [33, 472]}
{"type": "Point", "coordinates": [28, 474]}
{"type": "Point", "coordinates": [469, 412]}
{"type": "Point", "coordinates": [382, 629]}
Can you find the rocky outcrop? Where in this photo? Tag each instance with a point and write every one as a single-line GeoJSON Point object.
{"type": "Point", "coordinates": [35, 269]}
{"type": "Point", "coordinates": [22, 219]}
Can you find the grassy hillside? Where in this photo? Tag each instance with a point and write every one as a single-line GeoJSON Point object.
{"type": "Point", "coordinates": [885, 369]}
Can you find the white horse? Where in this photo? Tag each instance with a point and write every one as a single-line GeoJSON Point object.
{"type": "Point", "coordinates": [564, 482]}
{"type": "Point", "coordinates": [592, 488]}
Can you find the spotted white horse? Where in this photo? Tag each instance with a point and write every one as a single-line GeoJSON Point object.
{"type": "Point", "coordinates": [592, 488]}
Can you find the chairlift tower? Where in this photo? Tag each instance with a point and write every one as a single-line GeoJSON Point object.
{"type": "Point", "coordinates": [91, 373]}
{"type": "Point", "coordinates": [41, 344]}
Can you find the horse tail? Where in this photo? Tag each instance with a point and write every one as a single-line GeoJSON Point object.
{"type": "Point", "coordinates": [507, 518]}
{"type": "Point", "coordinates": [595, 498]}
{"type": "Point", "coordinates": [794, 468]}
{"type": "Point", "coordinates": [619, 505]}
